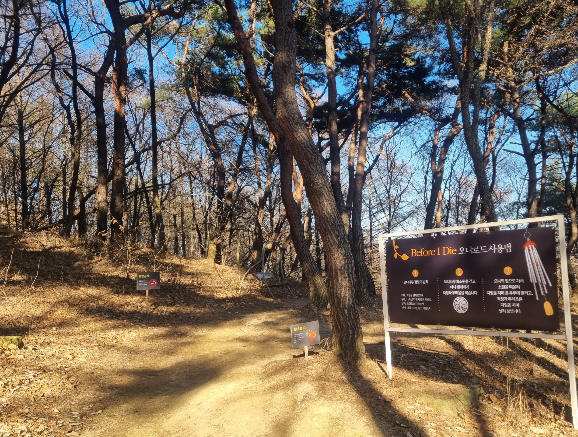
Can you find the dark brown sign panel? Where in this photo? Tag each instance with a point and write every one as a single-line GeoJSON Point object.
{"type": "Point", "coordinates": [305, 334]}
{"type": "Point", "coordinates": [148, 281]}
{"type": "Point", "coordinates": [502, 279]}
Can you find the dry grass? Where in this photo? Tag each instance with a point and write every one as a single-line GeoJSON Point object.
{"type": "Point", "coordinates": [85, 326]}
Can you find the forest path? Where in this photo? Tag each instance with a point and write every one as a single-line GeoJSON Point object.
{"type": "Point", "coordinates": [224, 380]}
{"type": "Point", "coordinates": [205, 359]}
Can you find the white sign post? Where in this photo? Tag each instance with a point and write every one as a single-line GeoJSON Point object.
{"type": "Point", "coordinates": [565, 332]}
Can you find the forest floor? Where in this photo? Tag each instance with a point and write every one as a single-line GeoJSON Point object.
{"type": "Point", "coordinates": [208, 360]}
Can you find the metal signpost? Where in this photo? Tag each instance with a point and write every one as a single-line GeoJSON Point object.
{"type": "Point", "coordinates": [148, 281]}
{"type": "Point", "coordinates": [305, 335]}
{"type": "Point", "coordinates": [504, 279]}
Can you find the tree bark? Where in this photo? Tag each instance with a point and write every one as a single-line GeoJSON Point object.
{"type": "Point", "coordinates": [101, 142]}
{"type": "Point", "coordinates": [347, 333]}
{"type": "Point", "coordinates": [528, 152]}
{"type": "Point", "coordinates": [24, 209]}
{"type": "Point", "coordinates": [159, 226]}
{"type": "Point", "coordinates": [332, 128]}
{"type": "Point", "coordinates": [365, 286]}
{"type": "Point", "coordinates": [76, 125]}
{"type": "Point", "coordinates": [119, 91]}
{"type": "Point", "coordinates": [263, 194]}
{"type": "Point", "coordinates": [316, 287]}
{"type": "Point", "coordinates": [318, 293]}
{"type": "Point", "coordinates": [466, 68]}
{"type": "Point", "coordinates": [439, 166]}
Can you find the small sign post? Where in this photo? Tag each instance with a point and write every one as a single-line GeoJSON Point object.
{"type": "Point", "coordinates": [304, 335]}
{"type": "Point", "coordinates": [148, 281]}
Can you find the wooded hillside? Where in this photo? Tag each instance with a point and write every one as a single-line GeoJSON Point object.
{"type": "Point", "coordinates": [224, 129]}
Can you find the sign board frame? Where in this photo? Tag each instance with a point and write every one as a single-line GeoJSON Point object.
{"type": "Point", "coordinates": [565, 332]}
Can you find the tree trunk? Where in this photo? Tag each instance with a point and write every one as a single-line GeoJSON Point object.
{"type": "Point", "coordinates": [81, 220]}
{"type": "Point", "coordinates": [365, 286]}
{"type": "Point", "coordinates": [63, 199]}
{"type": "Point", "coordinates": [466, 68]}
{"type": "Point", "coordinates": [195, 221]}
{"type": "Point", "coordinates": [159, 227]}
{"type": "Point", "coordinates": [332, 128]}
{"type": "Point", "coordinates": [439, 166]}
{"type": "Point", "coordinates": [220, 172]}
{"type": "Point", "coordinates": [25, 213]}
{"type": "Point", "coordinates": [76, 125]}
{"type": "Point", "coordinates": [183, 239]}
{"type": "Point", "coordinates": [101, 142]}
{"type": "Point", "coordinates": [119, 90]}
{"type": "Point", "coordinates": [318, 294]}
{"type": "Point", "coordinates": [528, 152]}
{"type": "Point", "coordinates": [263, 195]}
{"type": "Point", "coordinates": [347, 334]}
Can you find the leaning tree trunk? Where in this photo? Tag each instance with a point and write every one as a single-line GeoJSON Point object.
{"type": "Point", "coordinates": [318, 295]}
{"type": "Point", "coordinates": [332, 128]}
{"type": "Point", "coordinates": [466, 67]}
{"type": "Point", "coordinates": [347, 334]}
{"type": "Point", "coordinates": [365, 287]}
{"type": "Point", "coordinates": [439, 166]}
{"type": "Point", "coordinates": [76, 125]}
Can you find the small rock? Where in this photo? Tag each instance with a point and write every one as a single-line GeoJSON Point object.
{"type": "Point", "coordinates": [537, 430]}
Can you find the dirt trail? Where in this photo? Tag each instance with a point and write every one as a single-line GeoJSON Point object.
{"type": "Point", "coordinates": [207, 360]}
{"type": "Point", "coordinates": [228, 380]}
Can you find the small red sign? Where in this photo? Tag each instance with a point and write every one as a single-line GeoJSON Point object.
{"type": "Point", "coordinates": [153, 282]}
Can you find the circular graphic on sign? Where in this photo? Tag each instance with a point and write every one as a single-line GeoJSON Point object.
{"type": "Point", "coordinates": [153, 282]}
{"type": "Point", "coordinates": [508, 270]}
{"type": "Point", "coordinates": [460, 304]}
{"type": "Point", "coordinates": [415, 273]}
{"type": "Point", "coordinates": [459, 272]}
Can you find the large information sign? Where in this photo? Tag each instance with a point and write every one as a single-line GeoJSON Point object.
{"type": "Point", "coordinates": [502, 279]}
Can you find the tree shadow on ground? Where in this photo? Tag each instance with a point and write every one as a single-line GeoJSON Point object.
{"type": "Point", "coordinates": [498, 382]}
{"type": "Point", "coordinates": [434, 365]}
{"type": "Point", "coordinates": [387, 418]}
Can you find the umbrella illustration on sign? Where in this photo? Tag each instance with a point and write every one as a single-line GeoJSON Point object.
{"type": "Point", "coordinates": [538, 275]}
